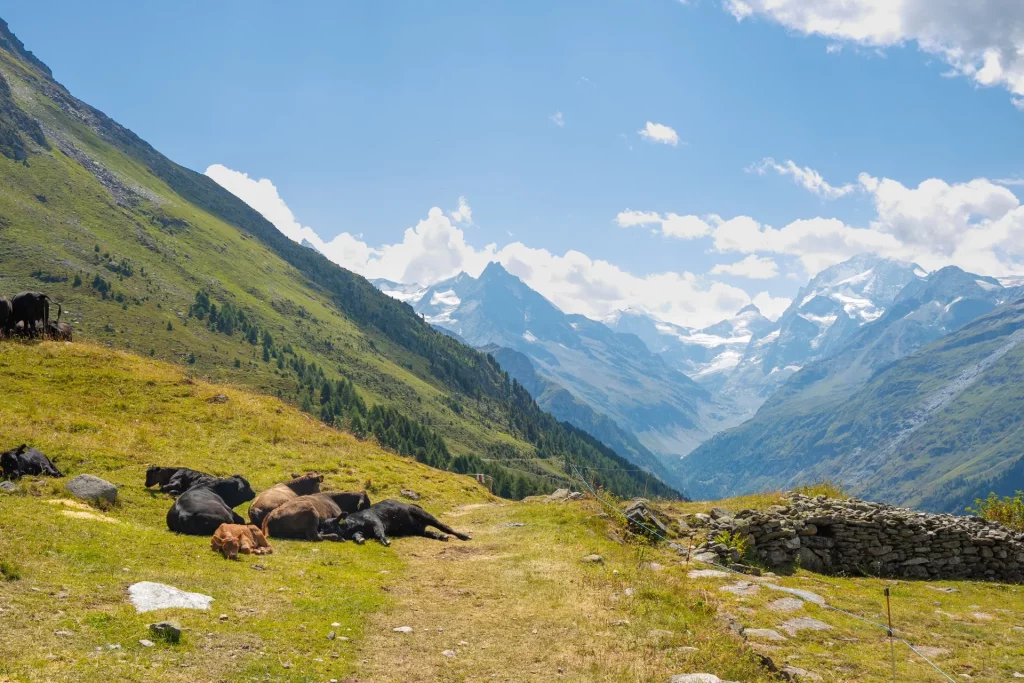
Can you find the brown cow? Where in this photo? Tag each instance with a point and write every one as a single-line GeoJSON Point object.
{"type": "Point", "coordinates": [278, 495]}
{"type": "Point", "coordinates": [59, 331]}
{"type": "Point", "coordinates": [302, 517]}
{"type": "Point", "coordinates": [231, 539]}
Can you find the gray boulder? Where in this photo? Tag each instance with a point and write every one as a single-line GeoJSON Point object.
{"type": "Point", "coordinates": [8, 487]}
{"type": "Point", "coordinates": [88, 487]}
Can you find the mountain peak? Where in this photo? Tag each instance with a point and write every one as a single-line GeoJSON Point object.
{"type": "Point", "coordinates": [10, 43]}
{"type": "Point", "coordinates": [494, 269]}
{"type": "Point", "coordinates": [749, 308]}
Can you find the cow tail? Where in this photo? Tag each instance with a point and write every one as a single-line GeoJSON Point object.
{"type": "Point", "coordinates": [60, 310]}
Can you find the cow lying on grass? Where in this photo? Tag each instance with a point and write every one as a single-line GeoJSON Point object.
{"type": "Point", "coordinates": [303, 516]}
{"type": "Point", "coordinates": [280, 494]}
{"type": "Point", "coordinates": [24, 461]}
{"type": "Point", "coordinates": [207, 505]}
{"type": "Point", "coordinates": [231, 539]}
{"type": "Point", "coordinates": [387, 518]}
{"type": "Point", "coordinates": [175, 480]}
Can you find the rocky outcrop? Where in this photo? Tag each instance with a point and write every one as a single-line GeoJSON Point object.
{"type": "Point", "coordinates": [857, 537]}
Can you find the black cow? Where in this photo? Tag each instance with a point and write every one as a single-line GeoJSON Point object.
{"type": "Point", "coordinates": [22, 461]}
{"type": "Point", "coordinates": [6, 317]}
{"type": "Point", "coordinates": [388, 518]}
{"type": "Point", "coordinates": [176, 480]}
{"type": "Point", "coordinates": [30, 307]}
{"type": "Point", "coordinates": [204, 507]}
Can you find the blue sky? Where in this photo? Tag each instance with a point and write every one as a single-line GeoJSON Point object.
{"type": "Point", "coordinates": [364, 116]}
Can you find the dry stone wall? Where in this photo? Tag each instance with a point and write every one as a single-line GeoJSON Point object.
{"type": "Point", "coordinates": [857, 537]}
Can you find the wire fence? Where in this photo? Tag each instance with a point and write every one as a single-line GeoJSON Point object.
{"type": "Point", "coordinates": [654, 532]}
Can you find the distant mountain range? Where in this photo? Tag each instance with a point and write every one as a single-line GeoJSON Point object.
{"type": "Point", "coordinates": [648, 411]}
{"type": "Point", "coordinates": [656, 392]}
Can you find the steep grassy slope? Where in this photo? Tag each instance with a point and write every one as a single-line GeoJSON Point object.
{"type": "Point", "coordinates": [935, 429]}
{"type": "Point", "coordinates": [126, 241]}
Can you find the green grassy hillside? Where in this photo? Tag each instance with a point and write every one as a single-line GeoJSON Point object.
{"type": "Point", "coordinates": [935, 429]}
{"type": "Point", "coordinates": [149, 256]}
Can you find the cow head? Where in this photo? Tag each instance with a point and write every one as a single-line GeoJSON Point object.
{"type": "Point", "coordinates": [154, 475]}
{"type": "Point", "coordinates": [235, 490]}
{"type": "Point", "coordinates": [306, 484]}
{"type": "Point", "coordinates": [347, 527]}
{"type": "Point", "coordinates": [10, 462]}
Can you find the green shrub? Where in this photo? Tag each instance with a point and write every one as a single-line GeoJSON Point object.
{"type": "Point", "coordinates": [734, 540]}
{"type": "Point", "coordinates": [1008, 510]}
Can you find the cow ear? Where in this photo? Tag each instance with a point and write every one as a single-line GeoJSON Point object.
{"type": "Point", "coordinates": [22, 448]}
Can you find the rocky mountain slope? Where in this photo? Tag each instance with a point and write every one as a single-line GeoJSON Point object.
{"type": "Point", "coordinates": [932, 429]}
{"type": "Point", "coordinates": [613, 373]}
{"type": "Point", "coordinates": [145, 254]}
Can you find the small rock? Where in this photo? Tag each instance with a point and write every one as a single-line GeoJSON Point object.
{"type": "Point", "coordinates": [257, 567]}
{"type": "Point", "coordinates": [449, 653]}
{"type": "Point", "coordinates": [169, 631]}
{"type": "Point", "coordinates": [63, 633]}
{"type": "Point", "coordinates": [217, 398]}
{"type": "Point", "coordinates": [931, 652]}
{"type": "Point", "coordinates": [622, 622]}
{"type": "Point", "coordinates": [403, 629]}
{"type": "Point", "coordinates": [797, 674]}
{"type": "Point", "coordinates": [223, 617]}
{"type": "Point", "coordinates": [942, 589]}
{"type": "Point", "coordinates": [708, 574]}
{"type": "Point", "coordinates": [721, 513]}
{"type": "Point", "coordinates": [463, 643]}
{"type": "Point", "coordinates": [793, 626]}
{"type": "Point", "coordinates": [411, 495]}
{"type": "Point", "coordinates": [982, 616]}
{"type": "Point", "coordinates": [660, 633]}
{"type": "Point", "coordinates": [513, 525]}
{"type": "Point", "coordinates": [786, 605]}
{"type": "Point", "coordinates": [88, 487]}
{"type": "Point", "coordinates": [8, 487]}
{"type": "Point", "coordinates": [148, 596]}
{"type": "Point", "coordinates": [628, 592]}
{"type": "Point", "coordinates": [763, 634]}
{"type": "Point", "coordinates": [688, 648]}
{"type": "Point", "coordinates": [593, 559]}
{"type": "Point", "coordinates": [1017, 674]}
{"type": "Point", "coordinates": [696, 678]}
{"type": "Point", "coordinates": [332, 635]}
{"type": "Point", "coordinates": [343, 639]}
{"type": "Point", "coordinates": [146, 643]}
{"type": "Point", "coordinates": [114, 647]}
{"type": "Point", "coordinates": [741, 588]}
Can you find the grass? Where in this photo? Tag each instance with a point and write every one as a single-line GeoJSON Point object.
{"type": "Point", "coordinates": [516, 603]}
{"type": "Point", "coordinates": [822, 487]}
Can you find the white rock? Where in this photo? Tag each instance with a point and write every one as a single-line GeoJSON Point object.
{"type": "Point", "coordinates": [449, 653]}
{"type": "Point", "coordinates": [146, 643]}
{"type": "Point", "coordinates": [696, 678]}
{"type": "Point", "coordinates": [403, 629]}
{"type": "Point", "coordinates": [148, 596]}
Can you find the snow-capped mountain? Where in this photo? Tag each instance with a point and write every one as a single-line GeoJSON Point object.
{"type": "Point", "coordinates": [708, 355]}
{"type": "Point", "coordinates": [613, 373]}
{"type": "Point", "coordinates": [397, 290]}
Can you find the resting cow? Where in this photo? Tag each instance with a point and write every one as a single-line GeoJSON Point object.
{"type": "Point", "coordinates": [6, 317]}
{"type": "Point", "coordinates": [175, 480]}
{"type": "Point", "coordinates": [389, 518]}
{"type": "Point", "coordinates": [303, 516]}
{"type": "Point", "coordinates": [23, 461]}
{"type": "Point", "coordinates": [59, 331]}
{"type": "Point", "coordinates": [204, 507]}
{"type": "Point", "coordinates": [231, 539]}
{"type": "Point", "coordinates": [278, 495]}
{"type": "Point", "coordinates": [31, 307]}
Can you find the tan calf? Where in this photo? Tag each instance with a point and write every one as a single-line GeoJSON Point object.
{"type": "Point", "coordinates": [232, 539]}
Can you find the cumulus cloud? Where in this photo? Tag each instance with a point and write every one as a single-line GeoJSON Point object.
{"type": "Point", "coordinates": [463, 214]}
{"type": "Point", "coordinates": [977, 225]}
{"type": "Point", "coordinates": [558, 119]}
{"type": "Point", "coordinates": [771, 307]}
{"type": "Point", "coordinates": [660, 133]}
{"type": "Point", "coordinates": [753, 267]}
{"type": "Point", "coordinates": [982, 40]}
{"type": "Point", "coordinates": [806, 177]}
{"type": "Point", "coordinates": [670, 225]}
{"type": "Point", "coordinates": [436, 248]}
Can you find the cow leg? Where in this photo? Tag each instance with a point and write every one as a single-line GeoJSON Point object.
{"type": "Point", "coordinates": [436, 535]}
{"type": "Point", "coordinates": [236, 518]}
{"type": "Point", "coordinates": [379, 533]}
{"type": "Point", "coordinates": [430, 520]}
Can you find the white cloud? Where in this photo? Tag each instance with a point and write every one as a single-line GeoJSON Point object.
{"type": "Point", "coordinates": [558, 119]}
{"type": "Point", "coordinates": [804, 176]}
{"type": "Point", "coordinates": [977, 225]}
{"type": "Point", "coordinates": [1018, 102]}
{"type": "Point", "coordinates": [670, 225]}
{"type": "Point", "coordinates": [660, 133]}
{"type": "Point", "coordinates": [979, 39]}
{"type": "Point", "coordinates": [436, 248]}
{"type": "Point", "coordinates": [463, 214]}
{"type": "Point", "coordinates": [753, 267]}
{"type": "Point", "coordinates": [771, 307]}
